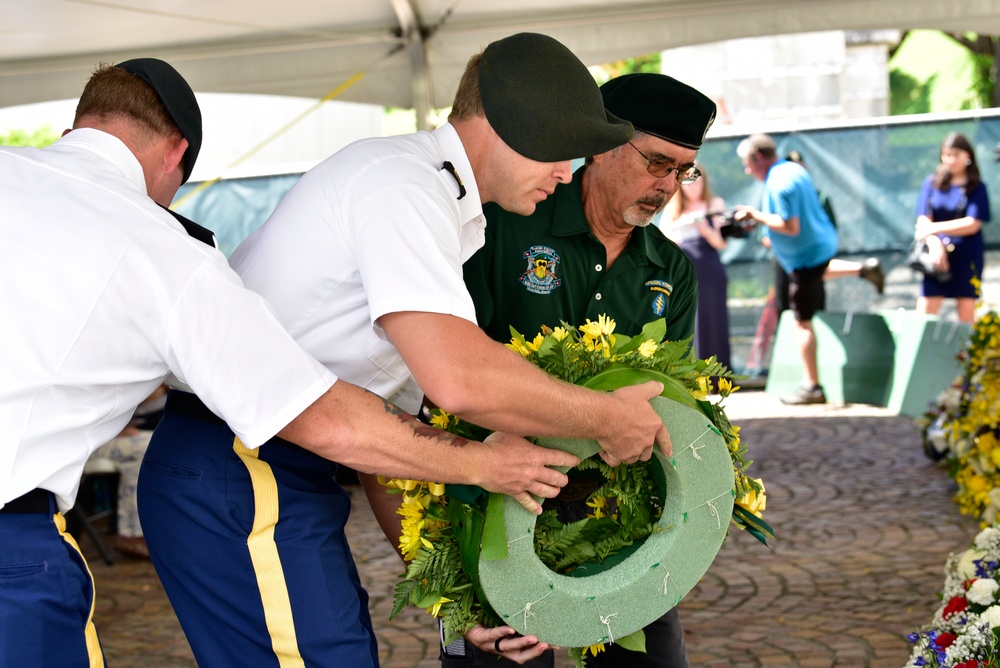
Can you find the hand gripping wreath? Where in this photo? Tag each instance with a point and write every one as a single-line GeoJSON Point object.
{"type": "Point", "coordinates": [580, 611]}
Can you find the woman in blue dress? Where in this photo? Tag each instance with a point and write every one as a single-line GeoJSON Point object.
{"type": "Point", "coordinates": [951, 209]}
{"type": "Point", "coordinates": [689, 220]}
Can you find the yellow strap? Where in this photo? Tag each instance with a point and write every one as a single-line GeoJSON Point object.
{"type": "Point", "coordinates": [285, 128]}
{"type": "Point", "coordinates": [93, 644]}
{"type": "Point", "coordinates": [266, 562]}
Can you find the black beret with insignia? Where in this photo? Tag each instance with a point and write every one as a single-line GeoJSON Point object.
{"type": "Point", "coordinates": [661, 106]}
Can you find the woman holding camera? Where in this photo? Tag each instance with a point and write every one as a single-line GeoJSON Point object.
{"type": "Point", "coordinates": [951, 209]}
{"type": "Point", "coordinates": [692, 220]}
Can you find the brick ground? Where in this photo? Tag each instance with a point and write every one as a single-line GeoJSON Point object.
{"type": "Point", "coordinates": [864, 524]}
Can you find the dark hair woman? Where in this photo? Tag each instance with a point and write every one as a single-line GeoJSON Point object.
{"type": "Point", "coordinates": [951, 209]}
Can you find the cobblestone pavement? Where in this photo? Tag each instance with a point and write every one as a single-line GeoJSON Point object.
{"type": "Point", "coordinates": [864, 523]}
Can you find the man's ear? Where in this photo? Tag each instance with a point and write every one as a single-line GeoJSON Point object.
{"type": "Point", "coordinates": [173, 155]}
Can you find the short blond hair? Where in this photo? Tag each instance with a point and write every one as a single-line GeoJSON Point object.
{"type": "Point", "coordinates": [468, 103]}
{"type": "Point", "coordinates": [113, 92]}
{"type": "Point", "coordinates": [758, 144]}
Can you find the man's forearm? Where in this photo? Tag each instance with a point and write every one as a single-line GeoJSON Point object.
{"type": "Point", "coordinates": [465, 372]}
{"type": "Point", "coordinates": [354, 427]}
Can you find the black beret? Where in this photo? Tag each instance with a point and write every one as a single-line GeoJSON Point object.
{"type": "Point", "coordinates": [543, 102]}
{"type": "Point", "coordinates": [177, 98]}
{"type": "Point", "coordinates": [661, 106]}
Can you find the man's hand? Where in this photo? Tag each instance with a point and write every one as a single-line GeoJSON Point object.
{"type": "Point", "coordinates": [519, 469]}
{"type": "Point", "coordinates": [635, 426]}
{"type": "Point", "coordinates": [519, 649]}
{"type": "Point", "coordinates": [743, 213]}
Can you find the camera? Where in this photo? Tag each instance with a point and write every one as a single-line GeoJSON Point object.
{"type": "Point", "coordinates": [729, 227]}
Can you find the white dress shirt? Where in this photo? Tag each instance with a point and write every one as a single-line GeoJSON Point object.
{"type": "Point", "coordinates": [103, 295]}
{"type": "Point", "coordinates": [376, 228]}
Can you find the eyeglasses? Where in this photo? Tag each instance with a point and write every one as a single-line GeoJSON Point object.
{"type": "Point", "coordinates": [662, 168]}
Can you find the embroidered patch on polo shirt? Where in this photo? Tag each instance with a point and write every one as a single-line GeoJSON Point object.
{"type": "Point", "coordinates": [660, 290]}
{"type": "Point", "coordinates": [539, 276]}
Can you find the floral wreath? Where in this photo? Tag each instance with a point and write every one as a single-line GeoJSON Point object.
{"type": "Point", "coordinates": [443, 528]}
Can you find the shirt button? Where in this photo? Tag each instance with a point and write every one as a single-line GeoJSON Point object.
{"type": "Point", "coordinates": [598, 267]}
{"type": "Point", "coordinates": [598, 296]}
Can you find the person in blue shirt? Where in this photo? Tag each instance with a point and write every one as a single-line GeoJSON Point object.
{"type": "Point", "coordinates": [951, 209]}
{"type": "Point", "coordinates": [803, 240]}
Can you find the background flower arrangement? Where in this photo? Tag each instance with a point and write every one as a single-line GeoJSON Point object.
{"type": "Point", "coordinates": [965, 631]}
{"type": "Point", "coordinates": [963, 427]}
{"type": "Point", "coordinates": [443, 530]}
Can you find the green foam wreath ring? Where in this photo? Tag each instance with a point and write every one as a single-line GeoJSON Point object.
{"type": "Point", "coordinates": [581, 611]}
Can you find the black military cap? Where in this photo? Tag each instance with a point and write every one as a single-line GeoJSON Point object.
{"type": "Point", "coordinates": [661, 106]}
{"type": "Point", "coordinates": [543, 102]}
{"type": "Point", "coordinates": [177, 98]}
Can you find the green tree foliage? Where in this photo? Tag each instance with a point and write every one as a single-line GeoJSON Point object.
{"type": "Point", "coordinates": [647, 63]}
{"type": "Point", "coordinates": [907, 95]}
{"type": "Point", "coordinates": [932, 71]}
{"type": "Point", "coordinates": [984, 50]}
{"type": "Point", "coordinates": [40, 138]}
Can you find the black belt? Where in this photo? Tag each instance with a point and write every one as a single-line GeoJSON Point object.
{"type": "Point", "coordinates": [189, 405]}
{"type": "Point", "coordinates": [35, 501]}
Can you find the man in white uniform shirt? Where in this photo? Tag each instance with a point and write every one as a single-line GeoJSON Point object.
{"type": "Point", "coordinates": [362, 263]}
{"type": "Point", "coordinates": [367, 251]}
{"type": "Point", "coordinates": [104, 295]}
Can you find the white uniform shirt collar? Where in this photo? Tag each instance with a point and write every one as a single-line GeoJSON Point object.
{"type": "Point", "coordinates": [110, 149]}
{"type": "Point", "coordinates": [473, 232]}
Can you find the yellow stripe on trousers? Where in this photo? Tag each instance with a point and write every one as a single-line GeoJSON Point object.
{"type": "Point", "coordinates": [93, 644]}
{"type": "Point", "coordinates": [266, 563]}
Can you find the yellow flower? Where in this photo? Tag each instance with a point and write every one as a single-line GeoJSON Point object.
{"type": "Point", "coordinates": [411, 540]}
{"type": "Point", "coordinates": [726, 387]}
{"type": "Point", "coordinates": [704, 387]}
{"type": "Point", "coordinates": [518, 348]}
{"type": "Point", "coordinates": [559, 333]}
{"type": "Point", "coordinates": [594, 649]}
{"type": "Point", "coordinates": [441, 420]}
{"type": "Point", "coordinates": [597, 335]}
{"type": "Point", "coordinates": [603, 327]}
{"type": "Point", "coordinates": [599, 504]}
{"type": "Point", "coordinates": [536, 344]}
{"type": "Point", "coordinates": [647, 348]}
{"type": "Point", "coordinates": [754, 502]}
{"type": "Point", "coordinates": [412, 507]}
{"type": "Point", "coordinates": [435, 609]}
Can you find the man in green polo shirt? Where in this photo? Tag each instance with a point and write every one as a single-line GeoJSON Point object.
{"type": "Point", "coordinates": [589, 249]}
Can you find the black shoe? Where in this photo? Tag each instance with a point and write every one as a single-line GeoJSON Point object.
{"type": "Point", "coordinates": [805, 395]}
{"type": "Point", "coordinates": [871, 271]}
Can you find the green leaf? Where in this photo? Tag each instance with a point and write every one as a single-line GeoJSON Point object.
{"type": "Point", "coordinates": [495, 530]}
{"type": "Point", "coordinates": [623, 344]}
{"type": "Point", "coordinates": [428, 600]}
{"type": "Point", "coordinates": [616, 376]}
{"type": "Point", "coordinates": [464, 493]}
{"type": "Point", "coordinates": [635, 642]}
{"type": "Point", "coordinates": [468, 527]}
{"type": "Point", "coordinates": [656, 330]}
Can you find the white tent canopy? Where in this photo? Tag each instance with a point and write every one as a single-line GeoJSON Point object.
{"type": "Point", "coordinates": [411, 52]}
